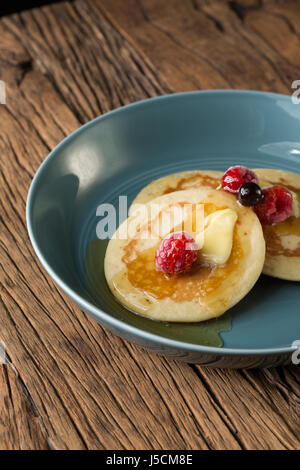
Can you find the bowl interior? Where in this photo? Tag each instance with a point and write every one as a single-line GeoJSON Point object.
{"type": "Point", "coordinates": [121, 152]}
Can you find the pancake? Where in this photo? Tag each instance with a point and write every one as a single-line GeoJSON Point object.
{"type": "Point", "coordinates": [282, 239]}
{"type": "Point", "coordinates": [205, 292]}
{"type": "Point", "coordinates": [176, 182]}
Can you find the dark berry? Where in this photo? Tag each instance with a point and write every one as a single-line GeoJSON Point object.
{"type": "Point", "coordinates": [250, 194]}
{"type": "Point", "coordinates": [276, 205]}
{"type": "Point", "coordinates": [235, 176]}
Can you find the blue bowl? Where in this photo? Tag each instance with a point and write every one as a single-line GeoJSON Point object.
{"type": "Point", "coordinates": [119, 153]}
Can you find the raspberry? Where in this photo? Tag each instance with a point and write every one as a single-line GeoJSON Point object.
{"type": "Point", "coordinates": [276, 205]}
{"type": "Point", "coordinates": [235, 176]}
{"type": "Point", "coordinates": [176, 253]}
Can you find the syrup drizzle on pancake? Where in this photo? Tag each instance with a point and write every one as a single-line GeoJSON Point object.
{"type": "Point", "coordinates": [194, 181]}
{"type": "Point", "coordinates": [205, 333]}
{"type": "Point", "coordinates": [202, 280]}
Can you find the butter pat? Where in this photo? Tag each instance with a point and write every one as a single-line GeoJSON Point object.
{"type": "Point", "coordinates": [218, 236]}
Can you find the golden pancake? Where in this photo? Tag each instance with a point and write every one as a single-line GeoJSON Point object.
{"type": "Point", "coordinates": [282, 239]}
{"type": "Point", "coordinates": [177, 182]}
{"type": "Point", "coordinates": [204, 292]}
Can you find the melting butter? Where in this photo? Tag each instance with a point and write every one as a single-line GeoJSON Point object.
{"type": "Point", "coordinates": [218, 236]}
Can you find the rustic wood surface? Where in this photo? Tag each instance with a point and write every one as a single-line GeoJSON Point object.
{"type": "Point", "coordinates": [68, 383]}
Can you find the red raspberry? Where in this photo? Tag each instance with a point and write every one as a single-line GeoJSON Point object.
{"type": "Point", "coordinates": [176, 253]}
{"type": "Point", "coordinates": [276, 205]}
{"type": "Point", "coordinates": [235, 176]}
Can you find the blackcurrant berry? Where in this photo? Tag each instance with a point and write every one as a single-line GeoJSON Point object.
{"type": "Point", "coordinates": [250, 194]}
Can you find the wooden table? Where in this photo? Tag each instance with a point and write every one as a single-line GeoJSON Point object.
{"type": "Point", "coordinates": [69, 383]}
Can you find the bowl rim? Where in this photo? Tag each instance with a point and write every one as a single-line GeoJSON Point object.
{"type": "Point", "coordinates": [96, 311]}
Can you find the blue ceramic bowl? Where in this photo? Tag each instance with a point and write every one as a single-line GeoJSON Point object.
{"type": "Point", "coordinates": [119, 153]}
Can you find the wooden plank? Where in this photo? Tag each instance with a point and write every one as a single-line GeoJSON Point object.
{"type": "Point", "coordinates": [78, 386]}
{"type": "Point", "coordinates": [256, 404]}
{"type": "Point", "coordinates": [207, 41]}
{"type": "Point", "coordinates": [20, 426]}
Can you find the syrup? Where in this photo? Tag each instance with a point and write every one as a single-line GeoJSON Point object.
{"type": "Point", "coordinates": [205, 333]}
{"type": "Point", "coordinates": [195, 181]}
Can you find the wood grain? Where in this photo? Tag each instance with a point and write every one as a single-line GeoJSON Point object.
{"type": "Point", "coordinates": [20, 426]}
{"type": "Point", "coordinates": [70, 384]}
